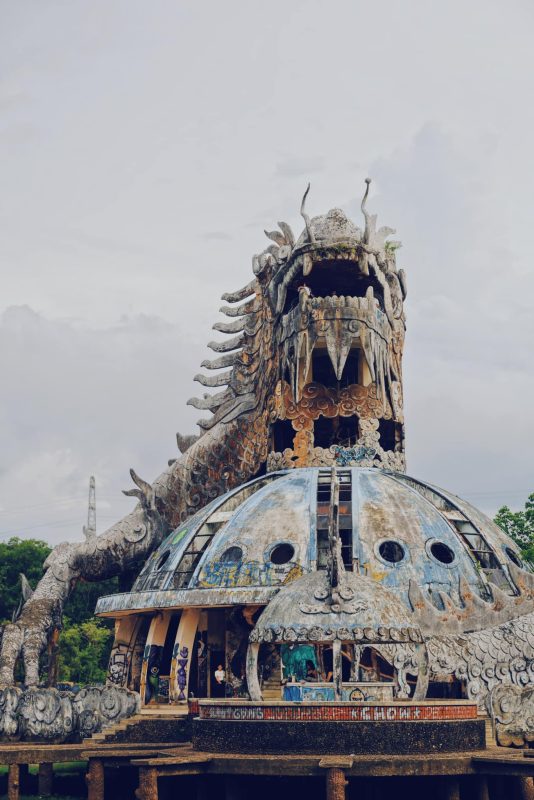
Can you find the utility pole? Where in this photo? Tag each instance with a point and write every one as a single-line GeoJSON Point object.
{"type": "Point", "coordinates": [90, 529]}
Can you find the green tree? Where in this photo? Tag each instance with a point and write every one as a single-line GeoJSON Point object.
{"type": "Point", "coordinates": [85, 642]}
{"type": "Point", "coordinates": [16, 556]}
{"type": "Point", "coordinates": [519, 525]}
{"type": "Point", "coordinates": [84, 652]}
{"type": "Point", "coordinates": [81, 604]}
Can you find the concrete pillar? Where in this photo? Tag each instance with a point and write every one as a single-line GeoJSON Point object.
{"type": "Point", "coordinates": [423, 675]}
{"type": "Point", "coordinates": [13, 782]}
{"type": "Point", "coordinates": [337, 668]}
{"type": "Point", "coordinates": [126, 630]}
{"type": "Point", "coordinates": [156, 636]}
{"type": "Point", "coordinates": [500, 787]}
{"type": "Point", "coordinates": [95, 779]}
{"type": "Point", "coordinates": [482, 790]}
{"type": "Point", "coordinates": [524, 788]}
{"type": "Point", "coordinates": [46, 779]}
{"type": "Point", "coordinates": [148, 784]}
{"type": "Point", "coordinates": [451, 788]}
{"type": "Point", "coordinates": [233, 788]}
{"type": "Point", "coordinates": [202, 787]}
{"type": "Point", "coordinates": [253, 682]}
{"type": "Point", "coordinates": [24, 771]}
{"type": "Point", "coordinates": [182, 654]}
{"type": "Point", "coordinates": [335, 783]}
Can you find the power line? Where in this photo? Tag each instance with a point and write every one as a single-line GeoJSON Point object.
{"type": "Point", "coordinates": [55, 503]}
{"type": "Point", "coordinates": [56, 523]}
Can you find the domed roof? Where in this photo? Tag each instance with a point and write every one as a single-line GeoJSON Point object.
{"type": "Point", "coordinates": [368, 612]}
{"type": "Point", "coordinates": [246, 544]}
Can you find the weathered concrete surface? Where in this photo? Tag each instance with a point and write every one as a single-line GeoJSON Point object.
{"type": "Point", "coordinates": [337, 737]}
{"type": "Point", "coordinates": [47, 715]}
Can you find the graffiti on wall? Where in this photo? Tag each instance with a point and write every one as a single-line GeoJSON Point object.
{"type": "Point", "coordinates": [182, 661]}
{"type": "Point", "coordinates": [237, 633]}
{"type": "Point", "coordinates": [119, 662]}
{"type": "Point", "coordinates": [224, 574]}
{"type": "Point", "coordinates": [152, 659]}
{"type": "Point", "coordinates": [202, 663]}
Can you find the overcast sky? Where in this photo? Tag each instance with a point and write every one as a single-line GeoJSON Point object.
{"type": "Point", "coordinates": [144, 147]}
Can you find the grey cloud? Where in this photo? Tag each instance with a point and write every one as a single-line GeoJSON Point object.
{"type": "Point", "coordinates": [216, 236]}
{"type": "Point", "coordinates": [80, 401]}
{"type": "Point", "coordinates": [296, 167]}
{"type": "Point", "coordinates": [152, 133]}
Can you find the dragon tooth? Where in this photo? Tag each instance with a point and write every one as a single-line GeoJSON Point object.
{"type": "Point", "coordinates": [343, 352]}
{"type": "Point", "coordinates": [331, 346]}
{"type": "Point", "coordinates": [366, 337]}
{"type": "Point", "coordinates": [307, 264]}
{"type": "Point", "coordinates": [281, 298]}
{"type": "Point", "coordinates": [338, 342]}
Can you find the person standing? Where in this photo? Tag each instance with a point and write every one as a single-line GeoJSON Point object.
{"type": "Point", "coordinates": [220, 678]}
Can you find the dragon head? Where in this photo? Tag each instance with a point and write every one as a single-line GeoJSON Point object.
{"type": "Point", "coordinates": [317, 342]}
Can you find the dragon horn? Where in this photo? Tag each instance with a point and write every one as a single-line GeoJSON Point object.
{"type": "Point", "coordinates": [145, 492]}
{"type": "Point", "coordinates": [365, 212]}
{"type": "Point", "coordinates": [305, 217]}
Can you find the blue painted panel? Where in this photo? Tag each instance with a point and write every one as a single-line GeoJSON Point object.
{"type": "Point", "coordinates": [391, 510]}
{"type": "Point", "coordinates": [279, 512]}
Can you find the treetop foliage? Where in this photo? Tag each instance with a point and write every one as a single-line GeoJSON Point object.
{"type": "Point", "coordinates": [519, 525]}
{"type": "Point", "coordinates": [16, 556]}
{"type": "Point", "coordinates": [84, 642]}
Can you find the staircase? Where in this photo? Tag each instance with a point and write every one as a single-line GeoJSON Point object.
{"type": "Point", "coordinates": [271, 689]}
{"type": "Point", "coordinates": [490, 738]}
{"type": "Point", "coordinates": [152, 724]}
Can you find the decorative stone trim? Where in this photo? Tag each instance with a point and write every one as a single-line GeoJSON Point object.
{"type": "Point", "coordinates": [316, 633]}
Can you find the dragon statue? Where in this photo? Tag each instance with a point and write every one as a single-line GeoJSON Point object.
{"type": "Point", "coordinates": [290, 393]}
{"type": "Point", "coordinates": [276, 321]}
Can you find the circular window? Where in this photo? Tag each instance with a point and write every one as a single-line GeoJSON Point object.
{"type": "Point", "coordinates": [232, 555]}
{"type": "Point", "coordinates": [391, 551]}
{"type": "Point", "coordinates": [514, 558]}
{"type": "Point", "coordinates": [442, 552]}
{"type": "Point", "coordinates": [282, 553]}
{"type": "Point", "coordinates": [163, 560]}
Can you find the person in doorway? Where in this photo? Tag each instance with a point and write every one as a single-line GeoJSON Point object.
{"type": "Point", "coordinates": [220, 679]}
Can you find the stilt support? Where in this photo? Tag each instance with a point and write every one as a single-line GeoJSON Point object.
{"type": "Point", "coordinates": [13, 782]}
{"type": "Point", "coordinates": [46, 779]}
{"type": "Point", "coordinates": [95, 779]}
{"type": "Point", "coordinates": [524, 788]}
{"type": "Point", "coordinates": [451, 789]}
{"type": "Point", "coordinates": [148, 784]}
{"type": "Point", "coordinates": [335, 784]}
{"type": "Point", "coordinates": [482, 791]}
